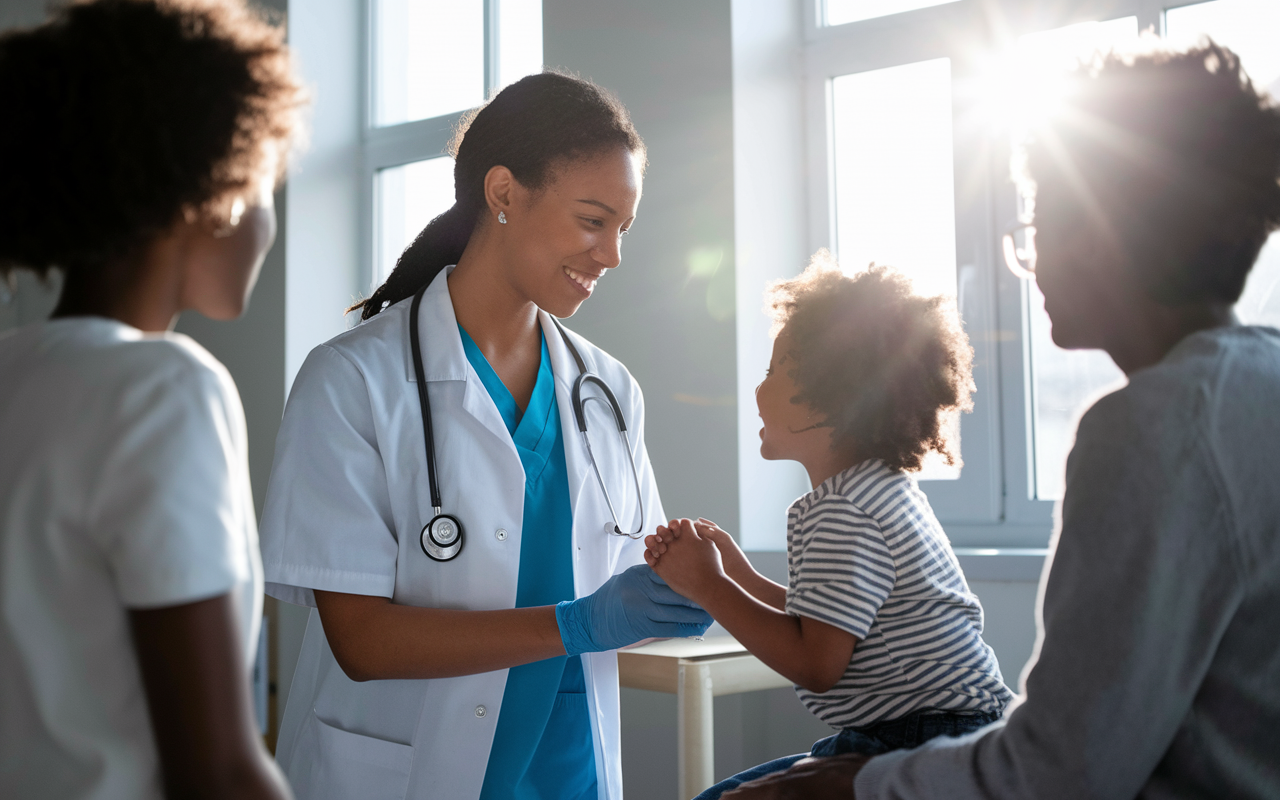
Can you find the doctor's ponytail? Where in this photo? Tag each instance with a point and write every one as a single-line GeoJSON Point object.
{"type": "Point", "coordinates": [528, 127]}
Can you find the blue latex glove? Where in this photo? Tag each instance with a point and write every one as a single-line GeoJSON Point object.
{"type": "Point", "coordinates": [634, 605]}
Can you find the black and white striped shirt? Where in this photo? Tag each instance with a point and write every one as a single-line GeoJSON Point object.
{"type": "Point", "coordinates": [866, 554]}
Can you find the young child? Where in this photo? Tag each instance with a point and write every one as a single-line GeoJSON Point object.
{"type": "Point", "coordinates": [876, 626]}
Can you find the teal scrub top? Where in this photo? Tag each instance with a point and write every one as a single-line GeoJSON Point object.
{"type": "Point", "coordinates": [542, 747]}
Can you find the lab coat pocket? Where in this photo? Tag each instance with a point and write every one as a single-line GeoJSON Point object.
{"type": "Point", "coordinates": [348, 766]}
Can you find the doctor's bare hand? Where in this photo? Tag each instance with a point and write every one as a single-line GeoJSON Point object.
{"type": "Point", "coordinates": [634, 605]}
{"type": "Point", "coordinates": [807, 779]}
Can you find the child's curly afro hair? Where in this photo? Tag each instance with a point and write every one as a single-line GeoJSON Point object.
{"type": "Point", "coordinates": [883, 365]}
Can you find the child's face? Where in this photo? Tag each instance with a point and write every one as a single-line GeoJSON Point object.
{"type": "Point", "coordinates": [789, 430]}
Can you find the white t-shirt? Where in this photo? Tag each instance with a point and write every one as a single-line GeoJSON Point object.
{"type": "Point", "coordinates": [124, 484]}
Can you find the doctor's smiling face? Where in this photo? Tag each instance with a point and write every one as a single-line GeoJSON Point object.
{"type": "Point", "coordinates": [560, 240]}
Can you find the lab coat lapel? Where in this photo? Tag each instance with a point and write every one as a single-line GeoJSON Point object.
{"type": "Point", "coordinates": [589, 540]}
{"type": "Point", "coordinates": [443, 358]}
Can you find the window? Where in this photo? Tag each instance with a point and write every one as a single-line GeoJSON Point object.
{"type": "Point", "coordinates": [841, 12]}
{"type": "Point", "coordinates": [418, 45]}
{"type": "Point", "coordinates": [890, 184]}
{"type": "Point", "coordinates": [895, 202]}
{"type": "Point", "coordinates": [430, 61]}
{"type": "Point", "coordinates": [408, 197]}
{"type": "Point", "coordinates": [1252, 29]}
{"type": "Point", "coordinates": [903, 171]}
{"type": "Point", "coordinates": [1063, 382]}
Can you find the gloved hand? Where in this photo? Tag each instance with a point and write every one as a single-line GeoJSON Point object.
{"type": "Point", "coordinates": [634, 605]}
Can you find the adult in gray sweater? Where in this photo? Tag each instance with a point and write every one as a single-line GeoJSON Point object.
{"type": "Point", "coordinates": [1157, 669]}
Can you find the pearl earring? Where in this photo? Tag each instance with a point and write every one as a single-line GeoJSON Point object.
{"type": "Point", "coordinates": [502, 218]}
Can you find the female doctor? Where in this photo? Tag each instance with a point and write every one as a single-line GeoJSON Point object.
{"type": "Point", "coordinates": [429, 670]}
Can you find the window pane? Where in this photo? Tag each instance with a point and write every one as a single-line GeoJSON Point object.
{"type": "Point", "coordinates": [519, 40]}
{"type": "Point", "coordinates": [895, 202]}
{"type": "Point", "coordinates": [894, 196]}
{"type": "Point", "coordinates": [1063, 382]}
{"type": "Point", "coordinates": [1252, 29]}
{"type": "Point", "coordinates": [838, 12]}
{"type": "Point", "coordinates": [408, 198]}
{"type": "Point", "coordinates": [430, 58]}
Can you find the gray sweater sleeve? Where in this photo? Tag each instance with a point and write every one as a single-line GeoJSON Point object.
{"type": "Point", "coordinates": [1144, 582]}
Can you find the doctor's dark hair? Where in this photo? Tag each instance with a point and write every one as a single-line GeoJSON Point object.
{"type": "Point", "coordinates": [884, 367]}
{"type": "Point", "coordinates": [532, 127]}
{"type": "Point", "coordinates": [1174, 155]}
{"type": "Point", "coordinates": [122, 117]}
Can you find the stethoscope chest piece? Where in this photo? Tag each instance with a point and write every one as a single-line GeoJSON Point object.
{"type": "Point", "coordinates": [442, 538]}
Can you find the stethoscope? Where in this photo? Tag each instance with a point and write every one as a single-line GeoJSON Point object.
{"type": "Point", "coordinates": [442, 537]}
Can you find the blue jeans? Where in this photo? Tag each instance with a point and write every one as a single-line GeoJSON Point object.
{"type": "Point", "coordinates": [903, 733]}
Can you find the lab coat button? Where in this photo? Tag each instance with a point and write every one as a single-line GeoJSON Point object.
{"type": "Point", "coordinates": [481, 711]}
{"type": "Point", "coordinates": [501, 533]}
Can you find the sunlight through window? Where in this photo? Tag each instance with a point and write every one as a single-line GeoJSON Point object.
{"type": "Point", "coordinates": [840, 12]}
{"type": "Point", "coordinates": [1252, 29]}
{"type": "Point", "coordinates": [408, 198]}
{"type": "Point", "coordinates": [1063, 382]}
{"type": "Point", "coordinates": [519, 40]}
{"type": "Point", "coordinates": [430, 58]}
{"type": "Point", "coordinates": [894, 195]}
{"type": "Point", "coordinates": [895, 202]}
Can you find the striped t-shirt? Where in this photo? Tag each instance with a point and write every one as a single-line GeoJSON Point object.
{"type": "Point", "coordinates": [866, 554]}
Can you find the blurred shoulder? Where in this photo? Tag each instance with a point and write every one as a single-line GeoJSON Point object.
{"type": "Point", "coordinates": [1217, 387]}
{"type": "Point", "coordinates": [98, 354]}
{"type": "Point", "coordinates": [1205, 375]}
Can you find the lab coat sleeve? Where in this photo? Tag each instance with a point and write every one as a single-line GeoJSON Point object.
{"type": "Point", "coordinates": [327, 523]}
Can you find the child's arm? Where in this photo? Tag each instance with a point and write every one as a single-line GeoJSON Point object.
{"type": "Point", "coordinates": [738, 567]}
{"type": "Point", "coordinates": [810, 653]}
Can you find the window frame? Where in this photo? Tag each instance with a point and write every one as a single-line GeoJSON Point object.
{"type": "Point", "coordinates": [386, 146]}
{"type": "Point", "coordinates": [993, 503]}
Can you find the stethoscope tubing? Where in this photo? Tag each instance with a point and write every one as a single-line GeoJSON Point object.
{"type": "Point", "coordinates": [442, 537]}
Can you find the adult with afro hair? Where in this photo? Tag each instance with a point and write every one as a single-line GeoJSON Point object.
{"type": "Point", "coordinates": [1155, 669]}
{"type": "Point", "coordinates": [140, 146]}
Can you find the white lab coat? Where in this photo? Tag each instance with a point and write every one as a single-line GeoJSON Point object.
{"type": "Point", "coordinates": [347, 501]}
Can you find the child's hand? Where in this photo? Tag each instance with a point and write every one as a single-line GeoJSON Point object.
{"type": "Point", "coordinates": [689, 563]}
{"type": "Point", "coordinates": [655, 544]}
{"type": "Point", "coordinates": [736, 564]}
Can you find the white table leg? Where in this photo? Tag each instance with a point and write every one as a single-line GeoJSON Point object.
{"type": "Point", "coordinates": [694, 710]}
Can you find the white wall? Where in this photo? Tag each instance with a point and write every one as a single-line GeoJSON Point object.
{"type": "Point", "coordinates": [668, 311]}
{"type": "Point", "coordinates": [770, 231]}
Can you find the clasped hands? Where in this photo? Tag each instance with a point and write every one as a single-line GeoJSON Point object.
{"type": "Point", "coordinates": [694, 557]}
